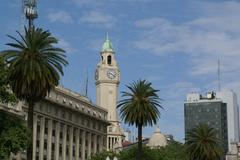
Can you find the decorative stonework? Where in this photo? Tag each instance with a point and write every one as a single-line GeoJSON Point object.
{"type": "Point", "coordinates": [66, 126]}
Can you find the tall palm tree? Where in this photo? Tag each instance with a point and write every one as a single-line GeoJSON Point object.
{"type": "Point", "coordinates": [140, 107]}
{"type": "Point", "coordinates": [35, 66]}
{"type": "Point", "coordinates": [202, 143]}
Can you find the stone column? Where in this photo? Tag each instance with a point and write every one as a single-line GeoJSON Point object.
{"type": "Point", "coordinates": [95, 141]}
{"type": "Point", "coordinates": [34, 135]}
{"type": "Point", "coordinates": [64, 142]}
{"type": "Point", "coordinates": [89, 144]}
{"type": "Point", "coordinates": [104, 142]}
{"type": "Point", "coordinates": [41, 146]}
{"type": "Point", "coordinates": [49, 140]}
{"type": "Point", "coordinates": [108, 143]}
{"type": "Point", "coordinates": [83, 144]}
{"type": "Point", "coordinates": [100, 143]}
{"type": "Point", "coordinates": [77, 144]}
{"type": "Point", "coordinates": [71, 143]}
{"type": "Point", "coordinates": [57, 134]}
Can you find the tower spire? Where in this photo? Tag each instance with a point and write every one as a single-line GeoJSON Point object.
{"type": "Point", "coordinates": [107, 39]}
{"type": "Point", "coordinates": [107, 45]}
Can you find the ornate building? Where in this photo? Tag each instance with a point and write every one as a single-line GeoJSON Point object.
{"type": "Point", "coordinates": [107, 80]}
{"type": "Point", "coordinates": [68, 126]}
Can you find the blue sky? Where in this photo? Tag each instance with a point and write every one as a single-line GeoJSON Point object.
{"type": "Point", "coordinates": [175, 44]}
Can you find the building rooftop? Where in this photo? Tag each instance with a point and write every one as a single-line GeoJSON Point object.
{"type": "Point", "coordinates": [157, 139]}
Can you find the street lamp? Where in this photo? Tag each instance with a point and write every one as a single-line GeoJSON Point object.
{"type": "Point", "coordinates": [30, 11]}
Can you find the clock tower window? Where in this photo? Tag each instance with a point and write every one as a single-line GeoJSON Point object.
{"type": "Point", "coordinates": [109, 59]}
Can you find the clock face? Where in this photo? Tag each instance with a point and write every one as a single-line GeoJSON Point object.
{"type": "Point", "coordinates": [111, 73]}
{"type": "Point", "coordinates": [96, 75]}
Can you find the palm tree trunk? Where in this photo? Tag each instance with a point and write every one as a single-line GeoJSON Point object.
{"type": "Point", "coordinates": [139, 154]}
{"type": "Point", "coordinates": [30, 128]}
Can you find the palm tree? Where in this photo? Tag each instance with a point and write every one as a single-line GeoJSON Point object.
{"type": "Point", "coordinates": [35, 66]}
{"type": "Point", "coordinates": [140, 108]}
{"type": "Point", "coordinates": [202, 143]}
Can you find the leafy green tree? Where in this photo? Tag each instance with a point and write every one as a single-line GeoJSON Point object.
{"type": "Point", "coordinates": [173, 151]}
{"type": "Point", "coordinates": [140, 108]}
{"type": "Point", "coordinates": [13, 137]}
{"type": "Point", "coordinates": [35, 66]}
{"type": "Point", "coordinates": [5, 95]}
{"type": "Point", "coordinates": [147, 154]}
{"type": "Point", "coordinates": [103, 155]}
{"type": "Point", "coordinates": [202, 143]}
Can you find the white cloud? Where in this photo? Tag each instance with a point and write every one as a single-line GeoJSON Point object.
{"type": "Point", "coordinates": [98, 3]}
{"type": "Point", "coordinates": [60, 16]}
{"type": "Point", "coordinates": [81, 2]}
{"type": "Point", "coordinates": [88, 2]}
{"type": "Point", "coordinates": [98, 18]}
{"type": "Point", "coordinates": [151, 66]}
{"type": "Point", "coordinates": [95, 44]}
{"type": "Point", "coordinates": [66, 46]}
{"type": "Point", "coordinates": [204, 38]}
{"type": "Point", "coordinates": [177, 91]}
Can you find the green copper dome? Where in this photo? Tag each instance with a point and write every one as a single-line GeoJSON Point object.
{"type": "Point", "coordinates": [107, 46]}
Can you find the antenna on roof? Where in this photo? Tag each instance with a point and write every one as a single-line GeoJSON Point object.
{"type": "Point", "coordinates": [219, 74]}
{"type": "Point", "coordinates": [85, 87]}
{"type": "Point", "coordinates": [22, 20]}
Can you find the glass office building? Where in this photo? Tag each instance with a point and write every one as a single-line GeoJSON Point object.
{"type": "Point", "coordinates": [208, 110]}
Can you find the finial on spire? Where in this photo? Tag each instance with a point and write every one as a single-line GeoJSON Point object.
{"type": "Point", "coordinates": [107, 45]}
{"type": "Point", "coordinates": [107, 37]}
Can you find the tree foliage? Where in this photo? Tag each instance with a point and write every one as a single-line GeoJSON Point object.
{"type": "Point", "coordinates": [5, 95]}
{"type": "Point", "coordinates": [13, 137]}
{"type": "Point", "coordinates": [140, 108]}
{"type": "Point", "coordinates": [103, 155]}
{"type": "Point", "coordinates": [173, 151]}
{"type": "Point", "coordinates": [35, 66]}
{"type": "Point", "coordinates": [202, 143]}
{"type": "Point", "coordinates": [147, 154]}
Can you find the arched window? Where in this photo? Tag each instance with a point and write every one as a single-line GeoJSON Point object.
{"type": "Point", "coordinates": [109, 59]}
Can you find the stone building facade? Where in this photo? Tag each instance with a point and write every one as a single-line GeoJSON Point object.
{"type": "Point", "coordinates": [67, 126]}
{"type": "Point", "coordinates": [234, 153]}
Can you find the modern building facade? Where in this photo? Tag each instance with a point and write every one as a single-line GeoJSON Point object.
{"type": "Point", "coordinates": [208, 110]}
{"type": "Point", "coordinates": [107, 77]}
{"type": "Point", "coordinates": [230, 98]}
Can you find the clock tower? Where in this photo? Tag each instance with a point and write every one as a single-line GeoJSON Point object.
{"type": "Point", "coordinates": [107, 77]}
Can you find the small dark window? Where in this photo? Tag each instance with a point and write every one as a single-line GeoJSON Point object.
{"type": "Point", "coordinates": [53, 133]}
{"type": "Point", "coordinates": [109, 60]}
{"type": "Point", "coordinates": [53, 146]}
{"type": "Point", "coordinates": [45, 145]}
